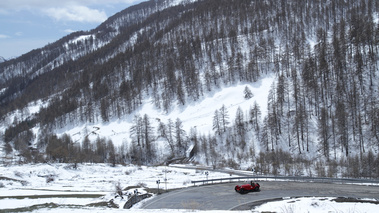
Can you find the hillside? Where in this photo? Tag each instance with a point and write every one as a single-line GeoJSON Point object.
{"type": "Point", "coordinates": [287, 87]}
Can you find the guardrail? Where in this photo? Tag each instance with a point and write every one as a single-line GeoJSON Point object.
{"type": "Point", "coordinates": [288, 178]}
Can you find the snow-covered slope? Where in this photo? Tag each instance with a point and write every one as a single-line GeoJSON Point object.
{"type": "Point", "coordinates": [197, 114]}
{"type": "Point", "coordinates": [81, 43]}
{"type": "Point", "coordinates": [170, 61]}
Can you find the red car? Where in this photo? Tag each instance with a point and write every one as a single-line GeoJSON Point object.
{"type": "Point", "coordinates": [243, 189]}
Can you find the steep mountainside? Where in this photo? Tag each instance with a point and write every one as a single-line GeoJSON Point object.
{"type": "Point", "coordinates": [324, 100]}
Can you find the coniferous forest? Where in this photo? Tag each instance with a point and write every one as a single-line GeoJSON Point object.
{"type": "Point", "coordinates": [323, 107]}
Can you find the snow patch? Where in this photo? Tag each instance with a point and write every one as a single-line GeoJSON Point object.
{"type": "Point", "coordinates": [2, 91]}
{"type": "Point", "coordinates": [177, 2]}
{"type": "Point", "coordinates": [376, 18]}
{"type": "Point", "coordinates": [82, 38]}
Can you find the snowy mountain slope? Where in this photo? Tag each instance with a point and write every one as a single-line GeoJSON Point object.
{"type": "Point", "coordinates": [149, 85]}
{"type": "Point", "coordinates": [79, 44]}
{"type": "Point", "coordinates": [197, 115]}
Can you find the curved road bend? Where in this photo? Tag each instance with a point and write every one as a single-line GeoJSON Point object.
{"type": "Point", "coordinates": [223, 196]}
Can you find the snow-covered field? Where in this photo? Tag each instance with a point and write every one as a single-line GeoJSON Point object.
{"type": "Point", "coordinates": [61, 188]}
{"type": "Point", "coordinates": [316, 205]}
{"type": "Point", "coordinates": [28, 185]}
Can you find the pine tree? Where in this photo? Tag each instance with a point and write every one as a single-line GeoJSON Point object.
{"type": "Point", "coordinates": [217, 122]}
{"type": "Point", "coordinates": [247, 93]}
{"type": "Point", "coordinates": [180, 135]}
{"type": "Point", "coordinates": [148, 137]}
{"type": "Point", "coordinates": [136, 131]}
{"type": "Point", "coordinates": [224, 116]}
{"type": "Point", "coordinates": [240, 127]}
{"type": "Point", "coordinates": [255, 117]}
{"type": "Point", "coordinates": [324, 134]}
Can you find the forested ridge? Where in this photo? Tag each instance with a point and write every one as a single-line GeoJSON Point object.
{"type": "Point", "coordinates": [323, 109]}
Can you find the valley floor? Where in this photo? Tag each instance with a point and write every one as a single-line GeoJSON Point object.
{"type": "Point", "coordinates": [63, 188]}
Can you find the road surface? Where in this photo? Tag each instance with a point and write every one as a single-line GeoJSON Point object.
{"type": "Point", "coordinates": [223, 196]}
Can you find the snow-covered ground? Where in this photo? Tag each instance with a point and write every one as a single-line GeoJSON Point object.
{"type": "Point", "coordinates": [61, 188]}
{"type": "Point", "coordinates": [316, 205]}
{"type": "Point", "coordinates": [27, 185]}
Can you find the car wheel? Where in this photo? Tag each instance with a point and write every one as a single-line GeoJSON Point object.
{"type": "Point", "coordinates": [242, 191]}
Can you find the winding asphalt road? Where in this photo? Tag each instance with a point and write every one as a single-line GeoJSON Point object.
{"type": "Point", "coordinates": [223, 196]}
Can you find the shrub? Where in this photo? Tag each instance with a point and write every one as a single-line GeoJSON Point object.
{"type": "Point", "coordinates": [119, 189]}
{"type": "Point", "coordinates": [50, 178]}
{"type": "Point", "coordinates": [140, 184]}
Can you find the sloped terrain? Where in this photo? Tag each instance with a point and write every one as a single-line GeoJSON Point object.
{"type": "Point", "coordinates": [166, 80]}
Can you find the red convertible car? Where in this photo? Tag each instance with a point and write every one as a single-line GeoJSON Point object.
{"type": "Point", "coordinates": [243, 189]}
